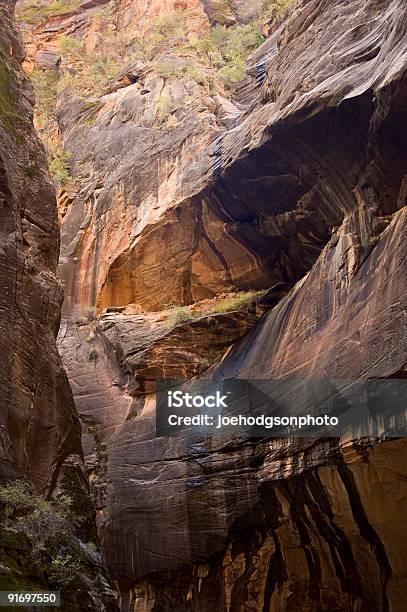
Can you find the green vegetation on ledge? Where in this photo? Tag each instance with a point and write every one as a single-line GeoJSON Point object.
{"type": "Point", "coordinates": [235, 303]}
{"type": "Point", "coordinates": [8, 99]}
{"type": "Point", "coordinates": [218, 54]}
{"type": "Point", "coordinates": [43, 531]}
{"type": "Point", "coordinates": [215, 58]}
{"type": "Point", "coordinates": [30, 11]}
{"type": "Point", "coordinates": [59, 166]}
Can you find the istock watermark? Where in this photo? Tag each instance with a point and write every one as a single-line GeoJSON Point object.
{"type": "Point", "coordinates": [278, 408]}
{"type": "Point", "coordinates": [178, 399]}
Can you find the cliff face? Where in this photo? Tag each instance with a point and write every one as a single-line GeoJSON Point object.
{"type": "Point", "coordinates": [40, 436]}
{"type": "Point", "coordinates": [147, 156]}
{"type": "Point", "coordinates": [138, 161]}
{"type": "Point", "coordinates": [183, 201]}
{"type": "Point", "coordinates": [33, 381]}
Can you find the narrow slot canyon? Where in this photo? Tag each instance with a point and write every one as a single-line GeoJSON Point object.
{"type": "Point", "coordinates": [200, 190]}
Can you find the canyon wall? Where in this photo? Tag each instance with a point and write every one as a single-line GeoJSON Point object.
{"type": "Point", "coordinates": [40, 435]}
{"type": "Point", "coordinates": [33, 381]}
{"type": "Point", "coordinates": [251, 231]}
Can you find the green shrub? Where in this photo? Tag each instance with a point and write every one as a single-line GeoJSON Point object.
{"type": "Point", "coordinates": [71, 46]}
{"type": "Point", "coordinates": [91, 313]}
{"type": "Point", "coordinates": [234, 71]}
{"type": "Point", "coordinates": [107, 12]}
{"type": "Point", "coordinates": [179, 314]}
{"type": "Point", "coordinates": [59, 7]}
{"type": "Point", "coordinates": [204, 47]}
{"type": "Point", "coordinates": [196, 73]}
{"type": "Point", "coordinates": [243, 39]}
{"type": "Point", "coordinates": [103, 69]}
{"type": "Point", "coordinates": [276, 7]}
{"type": "Point", "coordinates": [374, 240]}
{"type": "Point", "coordinates": [45, 84]}
{"type": "Point", "coordinates": [63, 569]}
{"type": "Point", "coordinates": [17, 496]}
{"type": "Point", "coordinates": [43, 523]}
{"type": "Point", "coordinates": [92, 71]}
{"type": "Point", "coordinates": [29, 11]}
{"type": "Point", "coordinates": [59, 166]}
{"type": "Point", "coordinates": [41, 520]}
{"type": "Point", "coordinates": [235, 303]}
{"type": "Point", "coordinates": [32, 171]}
{"type": "Point", "coordinates": [219, 35]}
{"type": "Point", "coordinates": [227, 49]}
{"type": "Point", "coordinates": [67, 81]}
{"type": "Point", "coordinates": [93, 355]}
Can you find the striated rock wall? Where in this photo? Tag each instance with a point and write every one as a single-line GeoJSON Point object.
{"type": "Point", "coordinates": [40, 435]}
{"type": "Point", "coordinates": [274, 524]}
{"type": "Point", "coordinates": [183, 192]}
{"type": "Point", "coordinates": [149, 158]}
{"type": "Point", "coordinates": [308, 185]}
{"type": "Point", "coordinates": [159, 124]}
{"type": "Point", "coordinates": [36, 399]}
{"type": "Point", "coordinates": [321, 540]}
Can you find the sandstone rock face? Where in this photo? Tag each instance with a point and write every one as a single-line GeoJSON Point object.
{"type": "Point", "coordinates": [40, 436]}
{"type": "Point", "coordinates": [114, 363]}
{"type": "Point", "coordinates": [36, 400]}
{"type": "Point", "coordinates": [160, 125]}
{"type": "Point", "coordinates": [308, 184]}
{"type": "Point", "coordinates": [275, 524]}
{"type": "Point", "coordinates": [311, 541]}
{"type": "Point", "coordinates": [347, 311]}
{"type": "Point", "coordinates": [146, 157]}
{"type": "Point", "coordinates": [139, 16]}
{"type": "Point", "coordinates": [181, 194]}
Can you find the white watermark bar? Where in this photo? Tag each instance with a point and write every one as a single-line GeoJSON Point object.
{"type": "Point", "coordinates": [30, 599]}
{"type": "Point", "coordinates": [285, 407]}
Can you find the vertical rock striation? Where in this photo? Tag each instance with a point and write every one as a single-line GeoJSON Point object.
{"type": "Point", "coordinates": [40, 436]}
{"type": "Point", "coordinates": [39, 427]}
{"type": "Point", "coordinates": [308, 186]}
{"type": "Point", "coordinates": [183, 197]}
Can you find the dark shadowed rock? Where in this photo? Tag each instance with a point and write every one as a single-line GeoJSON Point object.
{"type": "Point", "coordinates": [229, 516]}
{"type": "Point", "coordinates": [40, 436]}
{"type": "Point", "coordinates": [36, 400]}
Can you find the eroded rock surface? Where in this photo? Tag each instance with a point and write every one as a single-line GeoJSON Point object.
{"type": "Point", "coordinates": [40, 435]}
{"type": "Point", "coordinates": [235, 209]}
{"type": "Point", "coordinates": [271, 525]}
{"type": "Point", "coordinates": [33, 381]}
{"type": "Point", "coordinates": [308, 184]}
{"type": "Point", "coordinates": [180, 194]}
{"type": "Point", "coordinates": [115, 363]}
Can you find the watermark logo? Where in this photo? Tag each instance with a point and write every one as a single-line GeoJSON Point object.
{"type": "Point", "coordinates": [178, 399]}
{"type": "Point", "coordinates": [287, 407]}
